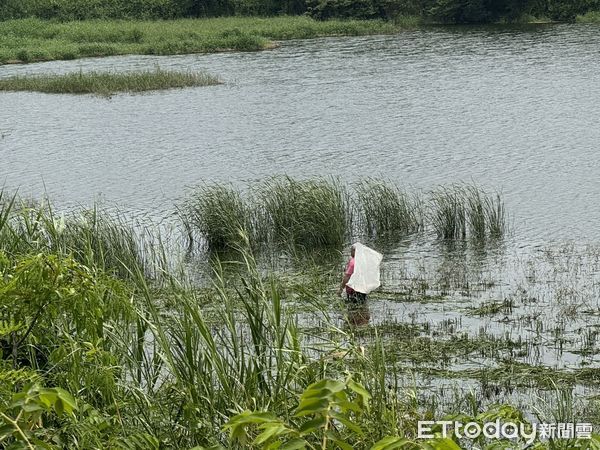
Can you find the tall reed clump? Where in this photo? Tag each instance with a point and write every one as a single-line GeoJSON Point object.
{"type": "Point", "coordinates": [99, 240]}
{"type": "Point", "coordinates": [244, 353]}
{"type": "Point", "coordinates": [459, 211]}
{"type": "Point", "coordinates": [92, 237]}
{"type": "Point", "coordinates": [386, 210]}
{"type": "Point", "coordinates": [216, 213]}
{"type": "Point", "coordinates": [308, 213]}
{"type": "Point", "coordinates": [448, 213]}
{"type": "Point", "coordinates": [495, 216]}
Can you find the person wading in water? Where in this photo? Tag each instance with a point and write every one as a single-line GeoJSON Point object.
{"type": "Point", "coordinates": [351, 295]}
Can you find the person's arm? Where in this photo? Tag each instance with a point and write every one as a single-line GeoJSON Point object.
{"type": "Point", "coordinates": [345, 280]}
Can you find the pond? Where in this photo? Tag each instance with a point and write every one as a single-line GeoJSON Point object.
{"type": "Point", "coordinates": [510, 108]}
{"type": "Point", "coordinates": [513, 109]}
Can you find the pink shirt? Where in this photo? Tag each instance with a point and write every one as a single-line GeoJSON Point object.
{"type": "Point", "coordinates": [350, 271]}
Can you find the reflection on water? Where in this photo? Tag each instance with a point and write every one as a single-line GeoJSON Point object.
{"type": "Point", "coordinates": [358, 313]}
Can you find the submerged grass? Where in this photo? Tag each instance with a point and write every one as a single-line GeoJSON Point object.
{"type": "Point", "coordinates": [106, 83]}
{"type": "Point", "coordinates": [29, 40]}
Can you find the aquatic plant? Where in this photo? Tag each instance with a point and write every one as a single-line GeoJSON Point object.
{"type": "Point", "coordinates": [306, 213]}
{"type": "Point", "coordinates": [461, 210]}
{"type": "Point", "coordinates": [495, 216]}
{"type": "Point", "coordinates": [216, 213]}
{"type": "Point", "coordinates": [107, 83]}
{"type": "Point", "coordinates": [171, 363]}
{"type": "Point", "coordinates": [386, 210]}
{"type": "Point", "coordinates": [93, 237]}
{"type": "Point", "coordinates": [449, 215]}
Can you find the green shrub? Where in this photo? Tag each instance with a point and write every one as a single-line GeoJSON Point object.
{"type": "Point", "coordinates": [93, 9]}
{"type": "Point", "coordinates": [344, 9]}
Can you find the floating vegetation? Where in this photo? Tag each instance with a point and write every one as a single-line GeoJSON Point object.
{"type": "Point", "coordinates": [107, 83]}
{"type": "Point", "coordinates": [490, 308]}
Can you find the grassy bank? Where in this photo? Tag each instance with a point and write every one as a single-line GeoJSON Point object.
{"type": "Point", "coordinates": [32, 40]}
{"type": "Point", "coordinates": [590, 17]}
{"type": "Point", "coordinates": [106, 84]}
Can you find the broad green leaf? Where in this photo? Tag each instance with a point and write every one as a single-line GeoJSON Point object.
{"type": "Point", "coordinates": [311, 406]}
{"type": "Point", "coordinates": [330, 385]}
{"type": "Point", "coordinates": [48, 397]}
{"type": "Point", "coordinates": [359, 389]}
{"type": "Point", "coordinates": [270, 430]}
{"type": "Point", "coordinates": [443, 444]}
{"type": "Point", "coordinates": [312, 425]}
{"type": "Point", "coordinates": [390, 443]}
{"type": "Point", "coordinates": [347, 423]}
{"type": "Point", "coordinates": [33, 407]}
{"type": "Point", "coordinates": [348, 406]}
{"type": "Point", "coordinates": [341, 444]}
{"type": "Point", "coordinates": [317, 393]}
{"type": "Point", "coordinates": [294, 444]}
{"type": "Point", "coordinates": [248, 417]}
{"type": "Point", "coordinates": [69, 403]}
{"type": "Point", "coordinates": [58, 407]}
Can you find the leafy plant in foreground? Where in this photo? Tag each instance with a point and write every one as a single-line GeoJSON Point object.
{"type": "Point", "coordinates": [22, 423]}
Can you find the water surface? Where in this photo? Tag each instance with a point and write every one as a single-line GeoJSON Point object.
{"type": "Point", "coordinates": [511, 108]}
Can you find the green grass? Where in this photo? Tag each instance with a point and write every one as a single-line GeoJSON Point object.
{"type": "Point", "coordinates": [166, 364]}
{"type": "Point", "coordinates": [217, 214]}
{"type": "Point", "coordinates": [324, 213]}
{"type": "Point", "coordinates": [30, 40]}
{"type": "Point", "coordinates": [459, 211]}
{"type": "Point", "coordinates": [449, 216]}
{"type": "Point", "coordinates": [106, 84]}
{"type": "Point", "coordinates": [309, 213]}
{"type": "Point", "coordinates": [385, 209]}
{"type": "Point", "coordinates": [590, 17]}
{"type": "Point", "coordinates": [91, 237]}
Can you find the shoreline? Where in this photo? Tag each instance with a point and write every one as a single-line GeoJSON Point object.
{"type": "Point", "coordinates": [25, 41]}
{"type": "Point", "coordinates": [34, 40]}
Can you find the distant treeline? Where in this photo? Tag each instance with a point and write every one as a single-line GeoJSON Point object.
{"type": "Point", "coordinates": [444, 11]}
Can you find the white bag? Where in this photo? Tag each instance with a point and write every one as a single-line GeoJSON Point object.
{"type": "Point", "coordinates": [365, 277]}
